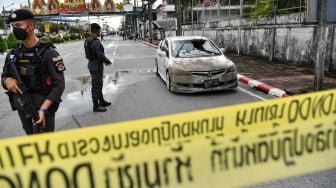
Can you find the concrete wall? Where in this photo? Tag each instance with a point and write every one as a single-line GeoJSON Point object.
{"type": "Point", "coordinates": [295, 45]}
{"type": "Point", "coordinates": [333, 54]}
{"type": "Point", "coordinates": [284, 42]}
{"type": "Point", "coordinates": [295, 18]}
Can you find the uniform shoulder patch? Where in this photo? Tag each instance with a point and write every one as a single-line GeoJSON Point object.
{"type": "Point", "coordinates": [56, 60]}
{"type": "Point", "coordinates": [60, 66]}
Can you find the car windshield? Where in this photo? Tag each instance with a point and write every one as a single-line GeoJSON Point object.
{"type": "Point", "coordinates": [194, 48]}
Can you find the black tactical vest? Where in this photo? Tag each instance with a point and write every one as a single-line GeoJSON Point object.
{"type": "Point", "coordinates": [32, 68]}
{"type": "Point", "coordinates": [89, 52]}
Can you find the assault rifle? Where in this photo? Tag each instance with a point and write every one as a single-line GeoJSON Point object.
{"type": "Point", "coordinates": [22, 102]}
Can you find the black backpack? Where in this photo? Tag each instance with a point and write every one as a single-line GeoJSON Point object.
{"type": "Point", "coordinates": [88, 48]}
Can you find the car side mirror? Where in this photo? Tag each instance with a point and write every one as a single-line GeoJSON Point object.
{"type": "Point", "coordinates": [223, 50]}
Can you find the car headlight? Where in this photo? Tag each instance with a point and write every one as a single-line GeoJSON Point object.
{"type": "Point", "coordinates": [232, 69]}
{"type": "Point", "coordinates": [179, 72]}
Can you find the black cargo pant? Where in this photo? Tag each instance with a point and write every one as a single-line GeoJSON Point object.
{"type": "Point", "coordinates": [29, 128]}
{"type": "Point", "coordinates": [97, 87]}
{"type": "Point", "coordinates": [27, 124]}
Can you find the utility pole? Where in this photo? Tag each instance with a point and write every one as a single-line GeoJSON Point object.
{"type": "Point", "coordinates": [134, 19]}
{"type": "Point", "coordinates": [144, 30]}
{"type": "Point", "coordinates": [150, 19]}
{"type": "Point", "coordinates": [192, 14]}
{"type": "Point", "coordinates": [29, 4]}
{"type": "Point", "coordinates": [4, 16]}
{"type": "Point", "coordinates": [178, 17]}
{"type": "Point", "coordinates": [273, 29]}
{"type": "Point", "coordinates": [320, 47]}
{"type": "Point", "coordinates": [241, 8]}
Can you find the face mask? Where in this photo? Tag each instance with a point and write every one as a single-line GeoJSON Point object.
{"type": "Point", "coordinates": [20, 34]}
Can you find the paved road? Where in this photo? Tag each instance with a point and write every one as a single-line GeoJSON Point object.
{"type": "Point", "coordinates": [130, 84]}
{"type": "Point", "coordinates": [135, 92]}
{"type": "Point", "coordinates": [134, 89]}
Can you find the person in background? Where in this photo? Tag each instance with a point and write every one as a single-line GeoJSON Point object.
{"type": "Point", "coordinates": [94, 52]}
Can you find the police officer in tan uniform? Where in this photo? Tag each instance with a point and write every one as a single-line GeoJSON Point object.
{"type": "Point", "coordinates": [41, 70]}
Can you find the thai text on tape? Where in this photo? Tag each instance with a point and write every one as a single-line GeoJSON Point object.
{"type": "Point", "coordinates": [131, 147]}
{"type": "Point", "coordinates": [234, 160]}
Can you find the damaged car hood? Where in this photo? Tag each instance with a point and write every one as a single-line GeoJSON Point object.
{"type": "Point", "coordinates": [202, 63]}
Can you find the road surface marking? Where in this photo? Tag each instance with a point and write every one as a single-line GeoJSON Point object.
{"type": "Point", "coordinates": [252, 94]}
{"type": "Point", "coordinates": [67, 54]}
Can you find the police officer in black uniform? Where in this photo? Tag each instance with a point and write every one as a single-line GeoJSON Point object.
{"type": "Point", "coordinates": [41, 70]}
{"type": "Point", "coordinates": [94, 52]}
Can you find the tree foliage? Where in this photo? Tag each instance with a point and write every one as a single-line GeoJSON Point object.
{"type": "Point", "coordinates": [76, 30]}
{"type": "Point", "coordinates": [264, 9]}
{"type": "Point", "coordinates": [185, 4]}
{"type": "Point", "coordinates": [11, 41]}
{"type": "Point", "coordinates": [2, 25]}
{"type": "Point", "coordinates": [54, 27]}
{"type": "Point", "coordinates": [3, 45]}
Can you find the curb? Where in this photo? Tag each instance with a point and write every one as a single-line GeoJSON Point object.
{"type": "Point", "coordinates": [263, 87]}
{"type": "Point", "coordinates": [248, 81]}
{"type": "Point", "coordinates": [149, 44]}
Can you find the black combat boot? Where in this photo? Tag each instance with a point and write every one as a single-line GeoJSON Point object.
{"type": "Point", "coordinates": [98, 108]}
{"type": "Point", "coordinates": [104, 104]}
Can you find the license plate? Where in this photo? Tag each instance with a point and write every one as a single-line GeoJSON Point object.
{"type": "Point", "coordinates": [210, 83]}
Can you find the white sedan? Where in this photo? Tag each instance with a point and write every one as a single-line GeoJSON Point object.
{"type": "Point", "coordinates": [194, 64]}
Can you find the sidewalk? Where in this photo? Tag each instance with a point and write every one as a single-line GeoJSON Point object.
{"type": "Point", "coordinates": [290, 78]}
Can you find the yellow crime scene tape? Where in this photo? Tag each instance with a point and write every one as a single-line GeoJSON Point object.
{"type": "Point", "coordinates": [246, 144]}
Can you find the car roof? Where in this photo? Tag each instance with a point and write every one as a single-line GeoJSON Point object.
{"type": "Point", "coordinates": [177, 38]}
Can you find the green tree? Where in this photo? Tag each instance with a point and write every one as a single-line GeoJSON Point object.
{"type": "Point", "coordinates": [2, 25]}
{"type": "Point", "coordinates": [42, 26]}
{"type": "Point", "coordinates": [54, 27]}
{"type": "Point", "coordinates": [264, 9]}
{"type": "Point", "coordinates": [76, 30]}
{"type": "Point", "coordinates": [3, 45]}
{"type": "Point", "coordinates": [11, 41]}
{"type": "Point", "coordinates": [185, 4]}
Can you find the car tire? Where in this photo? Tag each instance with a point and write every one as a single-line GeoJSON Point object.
{"type": "Point", "coordinates": [168, 81]}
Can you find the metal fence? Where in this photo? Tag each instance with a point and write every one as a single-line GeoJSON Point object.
{"type": "Point", "coordinates": [222, 10]}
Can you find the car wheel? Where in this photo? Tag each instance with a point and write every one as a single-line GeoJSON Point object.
{"type": "Point", "coordinates": [157, 68]}
{"type": "Point", "coordinates": [168, 81]}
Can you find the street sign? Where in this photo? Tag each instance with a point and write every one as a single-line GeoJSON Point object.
{"type": "Point", "coordinates": [47, 28]}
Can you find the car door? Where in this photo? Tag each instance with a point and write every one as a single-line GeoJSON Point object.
{"type": "Point", "coordinates": [165, 57]}
{"type": "Point", "coordinates": [160, 55]}
{"type": "Point", "coordinates": [158, 51]}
